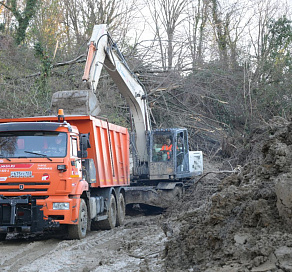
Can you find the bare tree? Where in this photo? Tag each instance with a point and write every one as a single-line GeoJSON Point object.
{"type": "Point", "coordinates": [82, 15]}
{"type": "Point", "coordinates": [196, 30]}
{"type": "Point", "coordinates": [167, 14]}
{"type": "Point", "coordinates": [47, 27]}
{"type": "Point", "coordinates": [72, 15]}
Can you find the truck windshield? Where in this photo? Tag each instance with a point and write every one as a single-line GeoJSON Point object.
{"type": "Point", "coordinates": [32, 144]}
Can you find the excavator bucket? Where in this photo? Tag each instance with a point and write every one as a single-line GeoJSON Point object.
{"type": "Point", "coordinates": [76, 102]}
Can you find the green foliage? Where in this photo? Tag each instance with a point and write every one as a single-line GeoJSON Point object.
{"type": "Point", "coordinates": [274, 93]}
{"type": "Point", "coordinates": [23, 18]}
{"type": "Point", "coordinates": [46, 66]}
{"type": "Point", "coordinates": [27, 81]}
{"type": "Point", "coordinates": [280, 39]}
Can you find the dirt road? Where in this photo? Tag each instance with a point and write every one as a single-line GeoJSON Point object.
{"type": "Point", "coordinates": [137, 246]}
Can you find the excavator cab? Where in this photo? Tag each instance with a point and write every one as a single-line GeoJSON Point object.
{"type": "Point", "coordinates": [169, 154]}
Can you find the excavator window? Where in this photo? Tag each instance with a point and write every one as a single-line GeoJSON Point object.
{"type": "Point", "coordinates": [182, 151]}
{"type": "Point", "coordinates": [162, 147]}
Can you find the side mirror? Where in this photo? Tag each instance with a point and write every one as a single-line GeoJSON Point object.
{"type": "Point", "coordinates": [84, 141]}
{"type": "Point", "coordinates": [82, 154]}
{"type": "Point", "coordinates": [84, 144]}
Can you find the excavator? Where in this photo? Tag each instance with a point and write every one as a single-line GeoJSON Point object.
{"type": "Point", "coordinates": [157, 174]}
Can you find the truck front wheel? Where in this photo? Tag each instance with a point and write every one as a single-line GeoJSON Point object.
{"type": "Point", "coordinates": [79, 231]}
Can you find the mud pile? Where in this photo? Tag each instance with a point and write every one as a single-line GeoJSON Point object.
{"type": "Point", "coordinates": [241, 222]}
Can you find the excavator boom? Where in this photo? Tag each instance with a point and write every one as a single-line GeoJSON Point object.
{"type": "Point", "coordinates": [103, 52]}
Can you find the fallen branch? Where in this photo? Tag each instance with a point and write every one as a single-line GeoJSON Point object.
{"type": "Point", "coordinates": [236, 170]}
{"type": "Point", "coordinates": [143, 257]}
{"type": "Point", "coordinates": [76, 60]}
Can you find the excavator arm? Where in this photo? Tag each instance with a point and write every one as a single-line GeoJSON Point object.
{"type": "Point", "coordinates": [103, 52]}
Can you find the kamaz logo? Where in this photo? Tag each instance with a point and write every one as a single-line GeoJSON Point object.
{"type": "Point", "coordinates": [21, 187]}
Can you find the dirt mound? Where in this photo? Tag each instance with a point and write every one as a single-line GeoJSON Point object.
{"type": "Point", "coordinates": [242, 224]}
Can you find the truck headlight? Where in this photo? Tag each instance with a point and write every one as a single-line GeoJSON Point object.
{"type": "Point", "coordinates": [60, 206]}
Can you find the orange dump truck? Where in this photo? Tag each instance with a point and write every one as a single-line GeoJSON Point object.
{"type": "Point", "coordinates": [56, 172]}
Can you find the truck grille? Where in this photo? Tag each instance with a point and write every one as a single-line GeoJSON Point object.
{"type": "Point", "coordinates": [24, 186]}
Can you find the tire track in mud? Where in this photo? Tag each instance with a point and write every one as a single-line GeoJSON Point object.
{"type": "Point", "coordinates": [128, 248]}
{"type": "Point", "coordinates": [16, 254]}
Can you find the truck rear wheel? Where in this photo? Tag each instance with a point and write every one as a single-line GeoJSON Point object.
{"type": "Point", "coordinates": [121, 210]}
{"type": "Point", "coordinates": [111, 221]}
{"type": "Point", "coordinates": [3, 236]}
{"type": "Point", "coordinates": [79, 231]}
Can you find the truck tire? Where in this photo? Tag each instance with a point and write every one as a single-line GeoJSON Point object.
{"type": "Point", "coordinates": [111, 221]}
{"type": "Point", "coordinates": [79, 231]}
{"type": "Point", "coordinates": [3, 236]}
{"type": "Point", "coordinates": [121, 210]}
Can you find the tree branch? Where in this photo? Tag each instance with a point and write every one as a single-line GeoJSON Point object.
{"type": "Point", "coordinates": [4, 5]}
{"type": "Point", "coordinates": [76, 60]}
{"type": "Point", "coordinates": [237, 170]}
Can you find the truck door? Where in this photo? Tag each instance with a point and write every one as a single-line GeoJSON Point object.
{"type": "Point", "coordinates": [76, 168]}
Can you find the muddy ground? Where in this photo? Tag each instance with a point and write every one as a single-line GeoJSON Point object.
{"type": "Point", "coordinates": [226, 222]}
{"type": "Point", "coordinates": [137, 246]}
{"type": "Point", "coordinates": [244, 223]}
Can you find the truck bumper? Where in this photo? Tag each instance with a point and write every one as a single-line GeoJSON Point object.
{"type": "Point", "coordinates": [22, 214]}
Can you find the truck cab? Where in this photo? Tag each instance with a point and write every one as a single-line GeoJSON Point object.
{"type": "Point", "coordinates": [39, 172]}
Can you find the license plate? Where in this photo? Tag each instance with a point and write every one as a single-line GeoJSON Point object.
{"type": "Point", "coordinates": [20, 174]}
